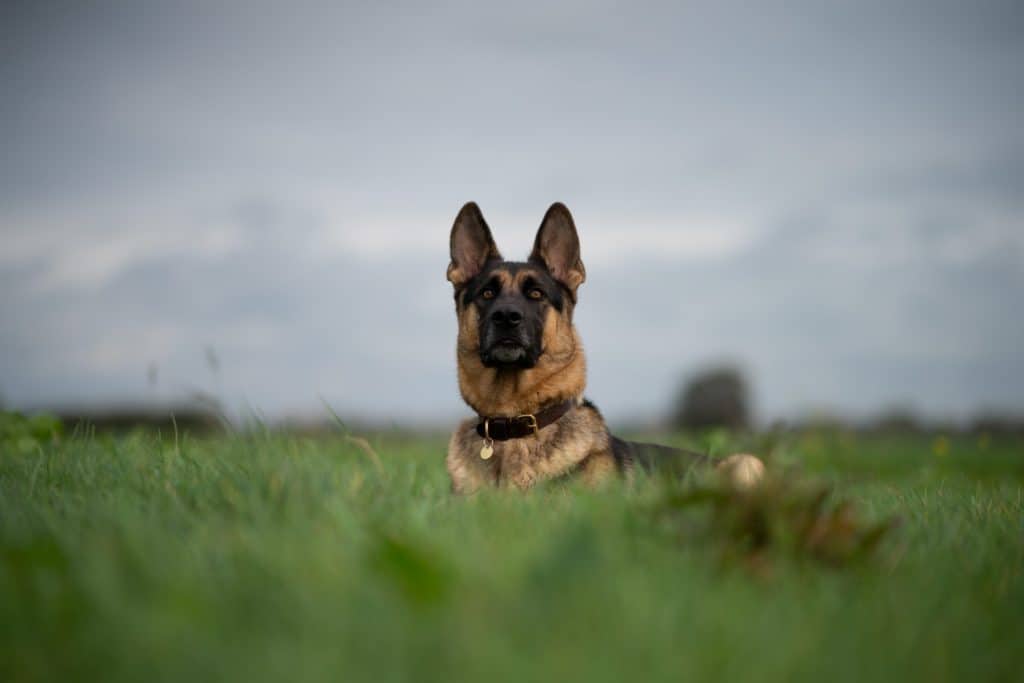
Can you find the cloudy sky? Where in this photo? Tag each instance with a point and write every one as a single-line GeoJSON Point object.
{"type": "Point", "coordinates": [831, 195]}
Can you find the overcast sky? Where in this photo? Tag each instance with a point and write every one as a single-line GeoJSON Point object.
{"type": "Point", "coordinates": [831, 195]}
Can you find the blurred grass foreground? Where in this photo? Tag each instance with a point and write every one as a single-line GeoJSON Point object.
{"type": "Point", "coordinates": [269, 556]}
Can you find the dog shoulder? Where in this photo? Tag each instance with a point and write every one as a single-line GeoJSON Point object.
{"type": "Point", "coordinates": [582, 447]}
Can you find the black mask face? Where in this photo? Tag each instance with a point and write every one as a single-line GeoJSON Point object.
{"type": "Point", "coordinates": [512, 301]}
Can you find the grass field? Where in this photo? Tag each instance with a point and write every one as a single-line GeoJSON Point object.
{"type": "Point", "coordinates": [276, 557]}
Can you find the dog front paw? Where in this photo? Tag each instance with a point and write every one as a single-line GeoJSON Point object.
{"type": "Point", "coordinates": [742, 470]}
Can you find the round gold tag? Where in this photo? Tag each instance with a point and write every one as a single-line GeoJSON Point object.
{"type": "Point", "coordinates": [487, 450]}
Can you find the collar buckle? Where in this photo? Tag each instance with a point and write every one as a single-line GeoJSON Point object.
{"type": "Point", "coordinates": [531, 422]}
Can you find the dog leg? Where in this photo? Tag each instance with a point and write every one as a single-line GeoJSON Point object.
{"type": "Point", "coordinates": [598, 468]}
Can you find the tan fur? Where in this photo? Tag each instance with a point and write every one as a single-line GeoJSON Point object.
{"type": "Point", "coordinates": [576, 443]}
{"type": "Point", "coordinates": [519, 280]}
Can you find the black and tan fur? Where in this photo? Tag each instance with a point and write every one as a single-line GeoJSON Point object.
{"type": "Point", "coordinates": [519, 352]}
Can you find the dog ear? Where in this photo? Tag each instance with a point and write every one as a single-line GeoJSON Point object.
{"type": "Point", "coordinates": [557, 247]}
{"type": "Point", "coordinates": [471, 245]}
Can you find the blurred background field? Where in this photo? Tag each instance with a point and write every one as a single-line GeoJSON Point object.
{"type": "Point", "coordinates": [264, 555]}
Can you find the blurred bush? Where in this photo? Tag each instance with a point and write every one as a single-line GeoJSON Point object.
{"type": "Point", "coordinates": [193, 418]}
{"type": "Point", "coordinates": [717, 397]}
{"type": "Point", "coordinates": [997, 423]}
{"type": "Point", "coordinates": [22, 434]}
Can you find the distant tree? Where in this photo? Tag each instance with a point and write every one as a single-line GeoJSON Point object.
{"type": "Point", "coordinates": [898, 419]}
{"type": "Point", "coordinates": [716, 397]}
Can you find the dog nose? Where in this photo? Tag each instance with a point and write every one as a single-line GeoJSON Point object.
{"type": "Point", "coordinates": [506, 317]}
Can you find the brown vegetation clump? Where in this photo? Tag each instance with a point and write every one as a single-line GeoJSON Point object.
{"type": "Point", "coordinates": [782, 516]}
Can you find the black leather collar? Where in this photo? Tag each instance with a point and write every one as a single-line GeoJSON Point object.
{"type": "Point", "coordinates": [530, 424]}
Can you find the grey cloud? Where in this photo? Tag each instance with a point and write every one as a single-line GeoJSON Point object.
{"type": "Point", "coordinates": [233, 151]}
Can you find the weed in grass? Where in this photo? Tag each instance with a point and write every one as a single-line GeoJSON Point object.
{"type": "Point", "coordinates": [786, 515]}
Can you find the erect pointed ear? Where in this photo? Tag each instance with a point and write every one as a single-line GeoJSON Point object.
{"type": "Point", "coordinates": [471, 245]}
{"type": "Point", "coordinates": [557, 247]}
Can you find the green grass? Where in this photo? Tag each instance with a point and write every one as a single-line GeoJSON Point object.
{"type": "Point", "coordinates": [271, 557]}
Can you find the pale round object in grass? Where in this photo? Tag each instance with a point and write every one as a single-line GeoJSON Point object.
{"type": "Point", "coordinates": [743, 470]}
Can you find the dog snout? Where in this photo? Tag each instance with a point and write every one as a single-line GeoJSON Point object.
{"type": "Point", "coordinates": [506, 317]}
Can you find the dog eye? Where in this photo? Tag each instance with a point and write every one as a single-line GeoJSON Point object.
{"type": "Point", "coordinates": [535, 294]}
{"type": "Point", "coordinates": [487, 294]}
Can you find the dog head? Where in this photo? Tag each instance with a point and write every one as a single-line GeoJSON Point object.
{"type": "Point", "coordinates": [515, 315]}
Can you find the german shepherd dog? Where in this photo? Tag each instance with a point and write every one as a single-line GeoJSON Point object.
{"type": "Point", "coordinates": [522, 369]}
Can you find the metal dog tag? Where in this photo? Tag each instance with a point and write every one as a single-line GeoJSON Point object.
{"type": "Point", "coordinates": [487, 450]}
